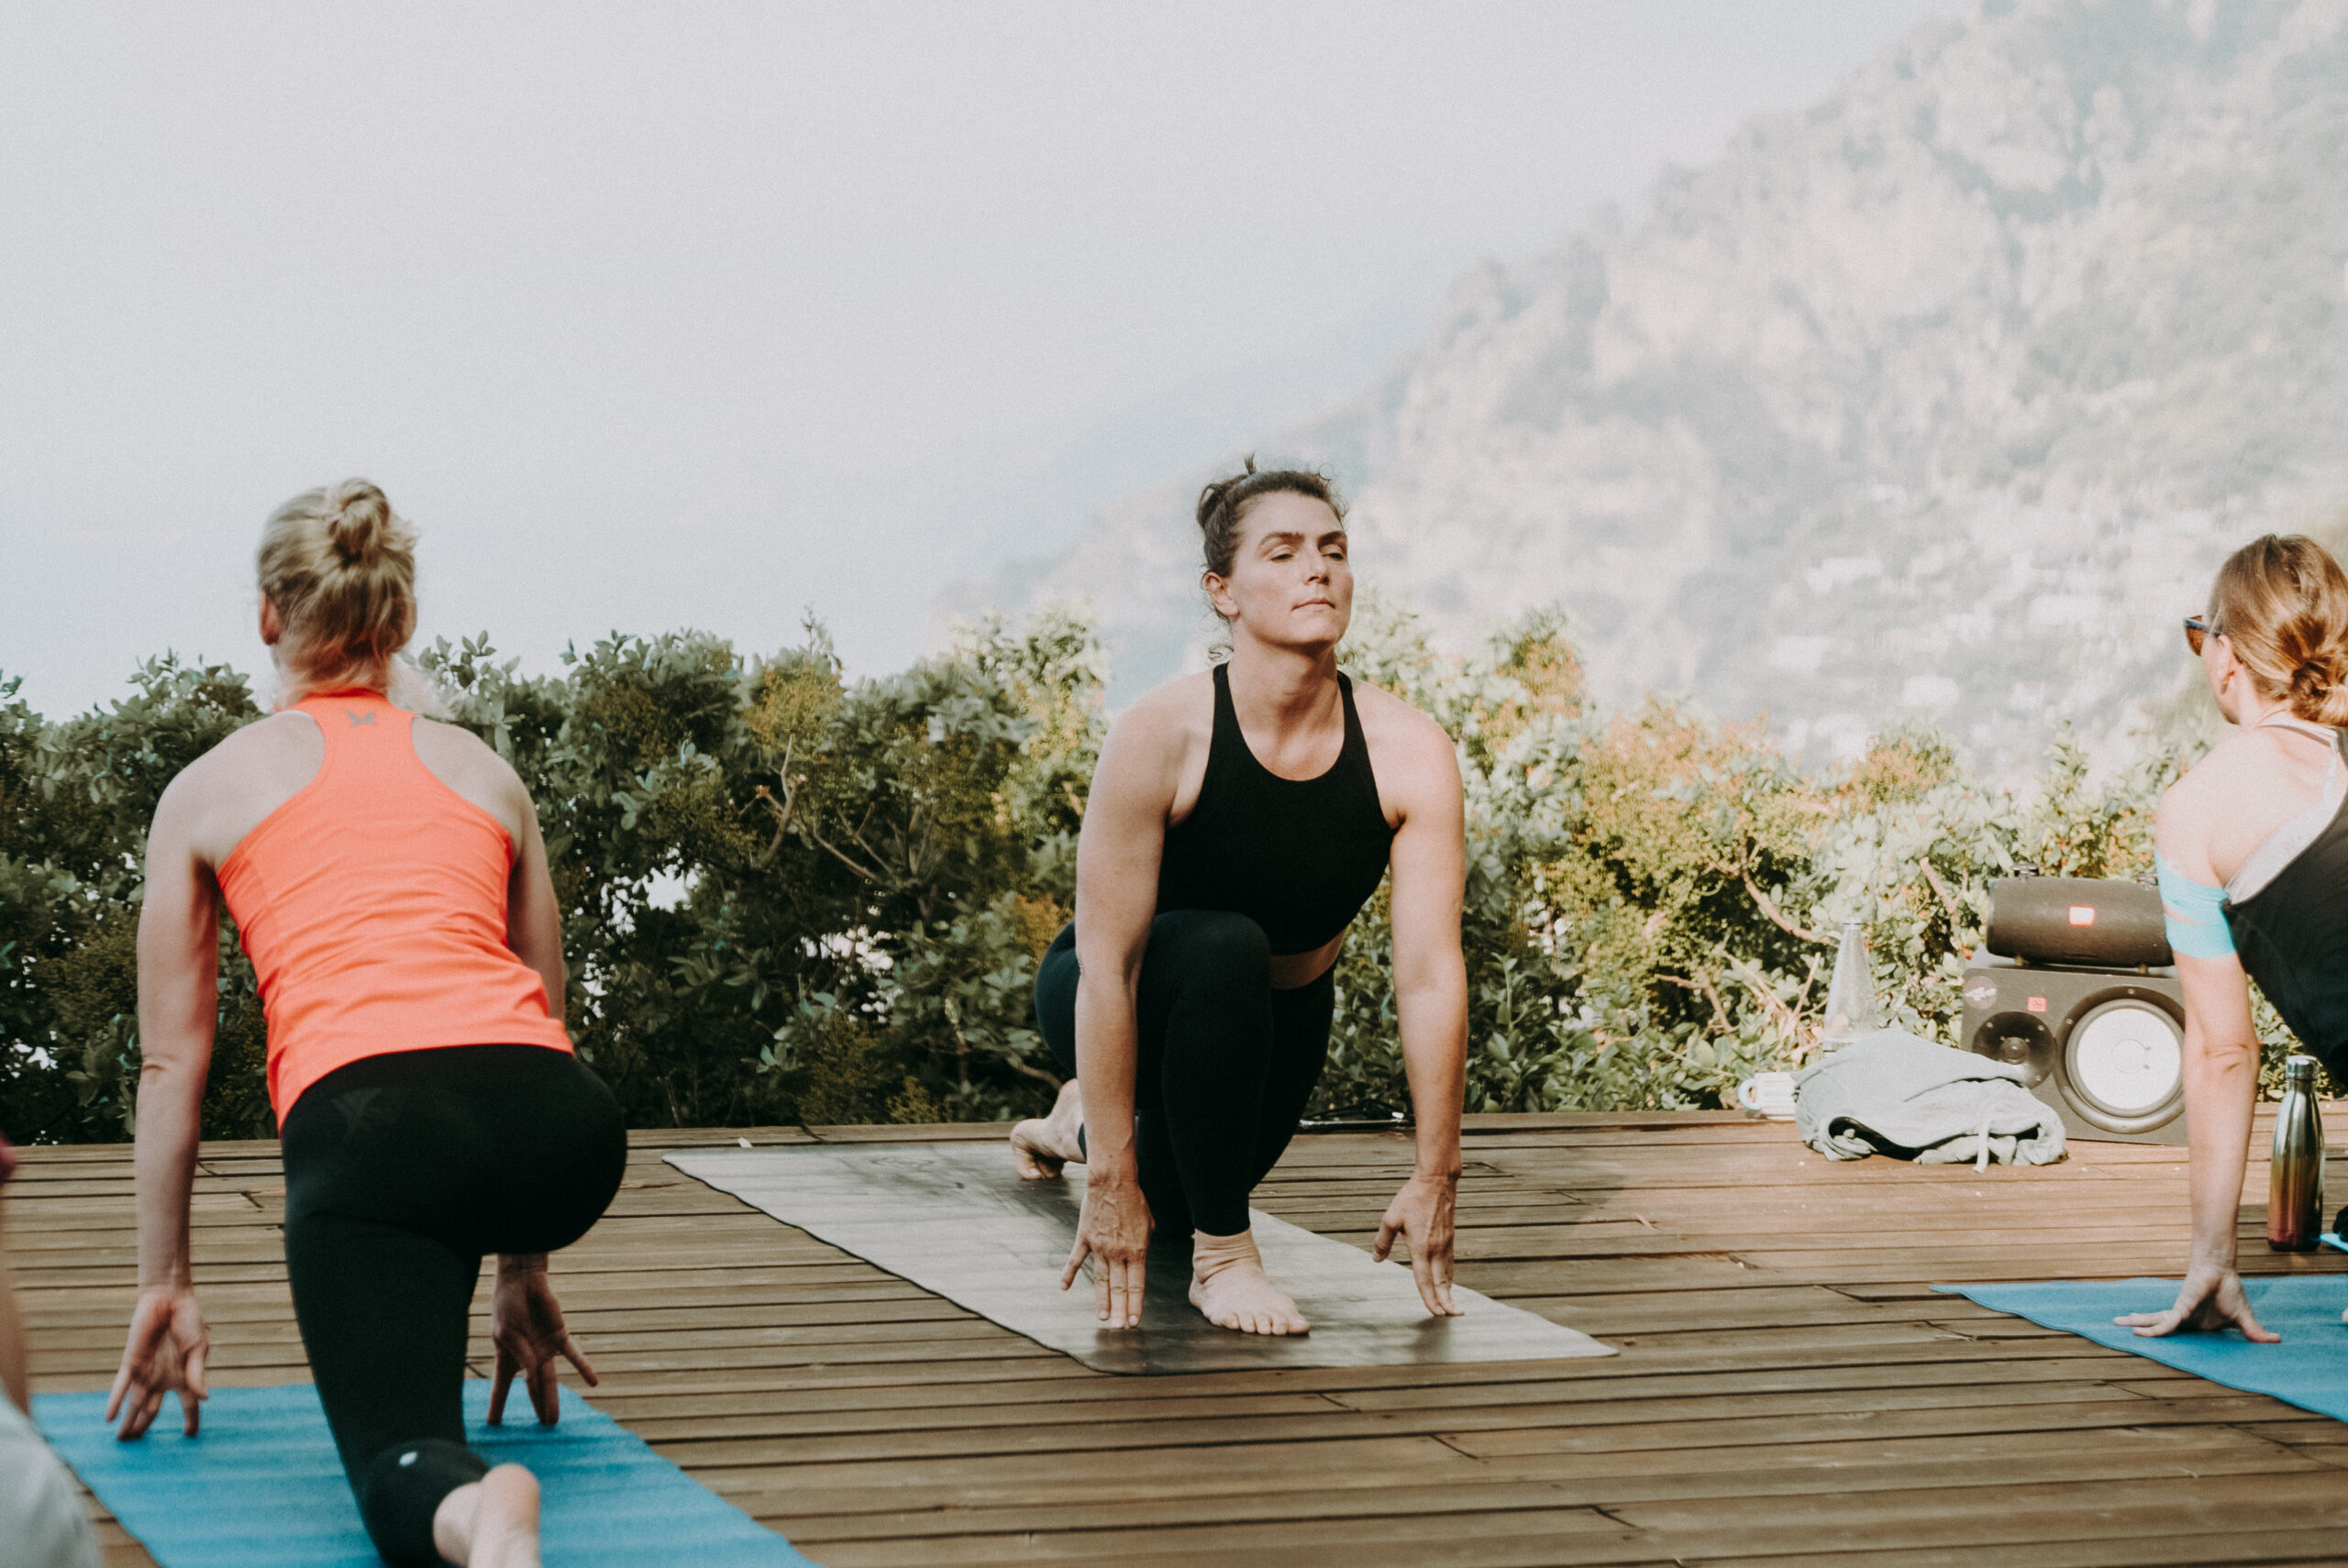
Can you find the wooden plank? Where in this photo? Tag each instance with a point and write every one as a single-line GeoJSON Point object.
{"type": "Point", "coordinates": [1789, 1388]}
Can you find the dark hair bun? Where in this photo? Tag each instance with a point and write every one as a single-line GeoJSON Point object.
{"type": "Point", "coordinates": [1213, 501]}
{"type": "Point", "coordinates": [359, 520]}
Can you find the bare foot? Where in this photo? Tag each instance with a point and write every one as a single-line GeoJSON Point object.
{"type": "Point", "coordinates": [1042, 1145]}
{"type": "Point", "coordinates": [1229, 1284]}
{"type": "Point", "coordinates": [492, 1523]}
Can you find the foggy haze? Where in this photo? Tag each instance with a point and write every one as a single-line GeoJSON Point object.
{"type": "Point", "coordinates": [710, 316]}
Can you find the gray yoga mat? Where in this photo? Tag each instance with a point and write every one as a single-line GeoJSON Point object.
{"type": "Point", "coordinates": [956, 1220]}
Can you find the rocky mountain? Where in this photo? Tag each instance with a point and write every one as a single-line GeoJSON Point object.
{"type": "Point", "coordinates": [1939, 400]}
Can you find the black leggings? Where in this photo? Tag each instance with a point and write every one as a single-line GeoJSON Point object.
{"type": "Point", "coordinates": [1226, 1066]}
{"type": "Point", "coordinates": [401, 1173]}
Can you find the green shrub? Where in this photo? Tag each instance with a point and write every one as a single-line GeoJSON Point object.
{"type": "Point", "coordinates": [792, 897]}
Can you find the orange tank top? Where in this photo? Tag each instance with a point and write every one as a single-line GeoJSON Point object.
{"type": "Point", "coordinates": [372, 905]}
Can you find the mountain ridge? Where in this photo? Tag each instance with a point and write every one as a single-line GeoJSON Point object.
{"type": "Point", "coordinates": [1940, 399]}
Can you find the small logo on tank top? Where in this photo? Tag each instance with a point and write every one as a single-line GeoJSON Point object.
{"type": "Point", "coordinates": [357, 718]}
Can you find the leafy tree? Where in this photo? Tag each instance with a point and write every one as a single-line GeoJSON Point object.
{"type": "Point", "coordinates": [789, 895]}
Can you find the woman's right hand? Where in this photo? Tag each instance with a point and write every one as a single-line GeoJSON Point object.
{"type": "Point", "coordinates": [165, 1354]}
{"type": "Point", "coordinates": [1114, 1231]}
{"type": "Point", "coordinates": [2211, 1298]}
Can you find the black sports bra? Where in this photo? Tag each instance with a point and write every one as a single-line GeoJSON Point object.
{"type": "Point", "coordinates": [2292, 938]}
{"type": "Point", "coordinates": [1298, 856]}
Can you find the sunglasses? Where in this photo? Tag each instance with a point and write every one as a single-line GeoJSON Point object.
{"type": "Point", "coordinates": [2197, 631]}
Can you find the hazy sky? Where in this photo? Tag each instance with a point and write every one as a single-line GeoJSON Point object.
{"type": "Point", "coordinates": [653, 316]}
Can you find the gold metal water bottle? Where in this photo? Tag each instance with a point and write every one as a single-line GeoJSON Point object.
{"type": "Point", "coordinates": [2295, 1178]}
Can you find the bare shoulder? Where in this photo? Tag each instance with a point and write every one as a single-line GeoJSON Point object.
{"type": "Point", "coordinates": [1167, 721]}
{"type": "Point", "coordinates": [464, 761]}
{"type": "Point", "coordinates": [261, 753]}
{"type": "Point", "coordinates": [458, 744]}
{"type": "Point", "coordinates": [2234, 771]}
{"type": "Point", "coordinates": [1395, 729]}
{"type": "Point", "coordinates": [1411, 755]}
{"type": "Point", "coordinates": [218, 798]}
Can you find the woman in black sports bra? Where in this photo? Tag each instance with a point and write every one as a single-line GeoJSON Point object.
{"type": "Point", "coordinates": [1238, 821]}
{"type": "Point", "coordinates": [2253, 858]}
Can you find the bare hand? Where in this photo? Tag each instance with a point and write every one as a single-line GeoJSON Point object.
{"type": "Point", "coordinates": [1423, 1211]}
{"type": "Point", "coordinates": [1114, 1231]}
{"type": "Point", "coordinates": [164, 1354]}
{"type": "Point", "coordinates": [2211, 1298]}
{"type": "Point", "coordinates": [525, 1325]}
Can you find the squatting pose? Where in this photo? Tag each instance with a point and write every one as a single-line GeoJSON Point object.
{"type": "Point", "coordinates": [1238, 822]}
{"type": "Point", "coordinates": [2252, 860]}
{"type": "Point", "coordinates": [388, 879]}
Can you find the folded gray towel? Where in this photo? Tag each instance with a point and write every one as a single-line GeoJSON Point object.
{"type": "Point", "coordinates": [1891, 1093]}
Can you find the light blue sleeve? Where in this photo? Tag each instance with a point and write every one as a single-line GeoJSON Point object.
{"type": "Point", "coordinates": [2195, 912]}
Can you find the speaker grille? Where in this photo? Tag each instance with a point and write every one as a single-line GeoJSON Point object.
{"type": "Point", "coordinates": [2125, 1059]}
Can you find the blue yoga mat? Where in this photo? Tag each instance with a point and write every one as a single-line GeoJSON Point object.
{"type": "Point", "coordinates": [2309, 1369]}
{"type": "Point", "coordinates": [262, 1487]}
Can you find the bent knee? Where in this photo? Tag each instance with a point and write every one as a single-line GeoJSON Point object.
{"type": "Point", "coordinates": [1216, 940]}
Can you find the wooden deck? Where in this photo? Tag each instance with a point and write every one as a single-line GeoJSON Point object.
{"type": "Point", "coordinates": [1789, 1388]}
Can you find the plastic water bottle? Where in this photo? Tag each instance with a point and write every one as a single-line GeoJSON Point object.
{"type": "Point", "coordinates": [1850, 995]}
{"type": "Point", "coordinates": [2295, 1178]}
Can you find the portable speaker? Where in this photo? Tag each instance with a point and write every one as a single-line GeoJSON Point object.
{"type": "Point", "coordinates": [2076, 919]}
{"type": "Point", "coordinates": [2077, 987]}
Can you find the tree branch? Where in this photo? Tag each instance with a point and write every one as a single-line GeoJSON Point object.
{"type": "Point", "coordinates": [783, 810]}
{"type": "Point", "coordinates": [1703, 983]}
{"type": "Point", "coordinates": [1777, 918]}
{"type": "Point", "coordinates": [1948, 900]}
{"type": "Point", "coordinates": [1016, 1066]}
{"type": "Point", "coordinates": [869, 875]}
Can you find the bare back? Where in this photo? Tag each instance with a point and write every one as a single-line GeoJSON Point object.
{"type": "Point", "coordinates": [229, 791]}
{"type": "Point", "coordinates": [232, 788]}
{"type": "Point", "coordinates": [2234, 800]}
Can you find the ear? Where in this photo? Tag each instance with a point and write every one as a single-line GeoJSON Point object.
{"type": "Point", "coordinates": [273, 628]}
{"type": "Point", "coordinates": [1219, 595]}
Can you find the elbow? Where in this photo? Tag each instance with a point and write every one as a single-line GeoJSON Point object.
{"type": "Point", "coordinates": [1116, 967]}
{"type": "Point", "coordinates": [168, 1065]}
{"type": "Point", "coordinates": [2222, 1059]}
{"type": "Point", "coordinates": [1437, 978]}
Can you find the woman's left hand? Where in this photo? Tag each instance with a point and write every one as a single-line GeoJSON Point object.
{"type": "Point", "coordinates": [2211, 1298]}
{"type": "Point", "coordinates": [165, 1354]}
{"type": "Point", "coordinates": [1422, 1212]}
{"type": "Point", "coordinates": [526, 1324]}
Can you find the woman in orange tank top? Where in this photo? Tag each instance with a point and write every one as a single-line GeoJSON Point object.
{"type": "Point", "coordinates": [387, 877]}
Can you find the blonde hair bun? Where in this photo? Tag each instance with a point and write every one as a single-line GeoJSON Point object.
{"type": "Point", "coordinates": [358, 517]}
{"type": "Point", "coordinates": [2281, 603]}
{"type": "Point", "coordinates": [339, 566]}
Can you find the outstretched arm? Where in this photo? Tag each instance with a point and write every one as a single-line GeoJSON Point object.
{"type": "Point", "coordinates": [526, 1320]}
{"type": "Point", "coordinates": [1430, 869]}
{"type": "Point", "coordinates": [2221, 1067]}
{"type": "Point", "coordinates": [178, 1005]}
{"type": "Point", "coordinates": [2221, 1097]}
{"type": "Point", "coordinates": [1116, 886]}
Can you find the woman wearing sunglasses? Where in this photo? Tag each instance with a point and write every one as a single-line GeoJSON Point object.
{"type": "Point", "coordinates": [2253, 858]}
